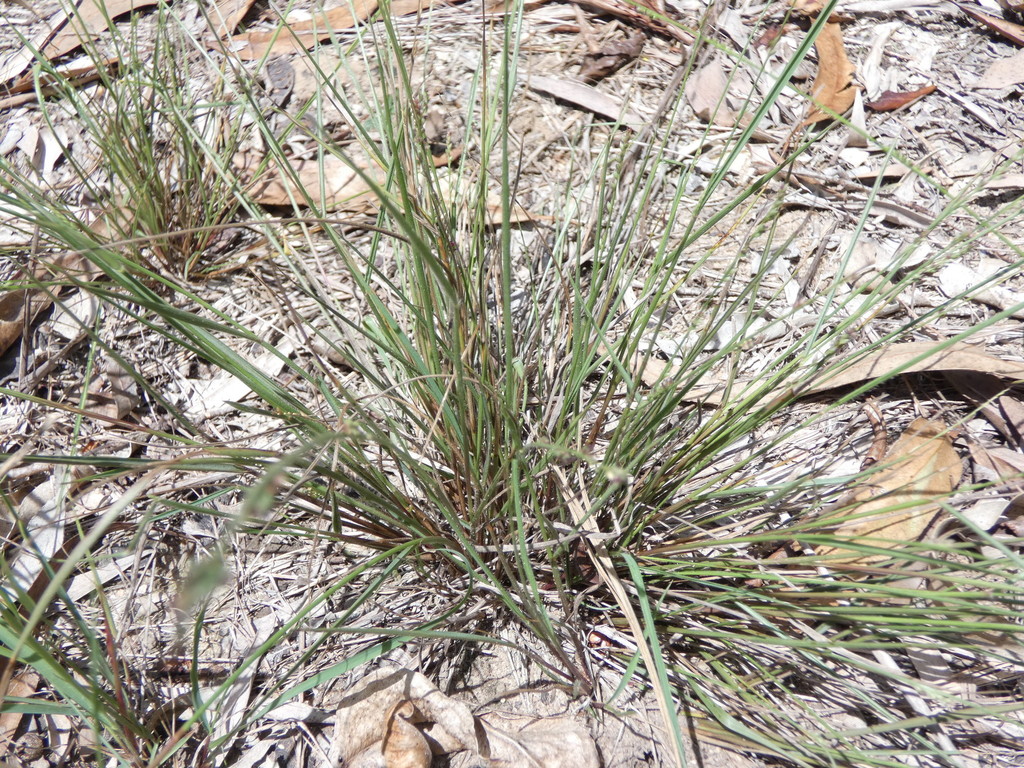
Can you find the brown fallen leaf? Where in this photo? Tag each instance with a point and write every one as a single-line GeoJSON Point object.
{"type": "Point", "coordinates": [1017, 6]}
{"type": "Point", "coordinates": [404, 744]}
{"type": "Point", "coordinates": [23, 685]}
{"type": "Point", "coordinates": [1012, 32]}
{"type": "Point", "coordinates": [910, 357]}
{"type": "Point", "coordinates": [611, 57]}
{"type": "Point", "coordinates": [901, 501]}
{"type": "Point", "coordinates": [988, 394]}
{"type": "Point", "coordinates": [934, 356]}
{"type": "Point", "coordinates": [227, 14]}
{"type": "Point", "coordinates": [833, 90]}
{"type": "Point", "coordinates": [296, 36]}
{"type": "Point", "coordinates": [890, 101]}
{"type": "Point", "coordinates": [19, 308]}
{"type": "Point", "coordinates": [706, 91]}
{"type": "Point", "coordinates": [329, 183]}
{"type": "Point", "coordinates": [30, 87]}
{"type": "Point", "coordinates": [113, 393]}
{"type": "Point", "coordinates": [586, 97]}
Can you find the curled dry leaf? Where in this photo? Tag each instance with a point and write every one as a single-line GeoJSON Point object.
{"type": "Point", "coordinates": [988, 394]}
{"type": "Point", "coordinates": [889, 101]}
{"type": "Point", "coordinates": [227, 14]}
{"type": "Point", "coordinates": [404, 744]}
{"type": "Point", "coordinates": [902, 499]}
{"type": "Point", "coordinates": [380, 710]}
{"type": "Point", "coordinates": [113, 393]}
{"type": "Point", "coordinates": [706, 91]}
{"type": "Point", "coordinates": [833, 90]}
{"type": "Point", "coordinates": [22, 685]}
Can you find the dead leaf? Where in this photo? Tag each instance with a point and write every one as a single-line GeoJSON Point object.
{"type": "Point", "coordinates": [999, 465]}
{"type": "Point", "coordinates": [833, 90]}
{"type": "Point", "coordinates": [329, 183]}
{"type": "Point", "coordinates": [76, 74]}
{"type": "Point", "coordinates": [1004, 73]}
{"type": "Point", "coordinates": [227, 14]}
{"type": "Point", "coordinates": [587, 98]}
{"type": "Point", "coordinates": [890, 101]}
{"type": "Point", "coordinates": [17, 310]}
{"type": "Point", "coordinates": [930, 356]}
{"type": "Point", "coordinates": [23, 685]}
{"type": "Point", "coordinates": [404, 744]}
{"type": "Point", "coordinates": [113, 394]}
{"type": "Point", "coordinates": [612, 57]}
{"type": "Point", "coordinates": [298, 35]}
{"type": "Point", "coordinates": [980, 283]}
{"type": "Point", "coordinates": [706, 91]}
{"type": "Point", "coordinates": [988, 393]}
{"type": "Point", "coordinates": [1012, 32]}
{"type": "Point", "coordinates": [388, 699]}
{"type": "Point", "coordinates": [934, 356]}
{"type": "Point", "coordinates": [64, 32]}
{"type": "Point", "coordinates": [1017, 6]}
{"type": "Point", "coordinates": [902, 499]}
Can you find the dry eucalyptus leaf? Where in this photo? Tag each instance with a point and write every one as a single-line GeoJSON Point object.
{"type": "Point", "coordinates": [911, 357]}
{"type": "Point", "coordinates": [227, 14]}
{"type": "Point", "coordinates": [1004, 73]}
{"type": "Point", "coordinates": [833, 88]}
{"type": "Point", "coordinates": [705, 90]}
{"type": "Point", "coordinates": [890, 101]}
{"type": "Point", "coordinates": [300, 35]}
{"type": "Point", "coordinates": [1012, 32]}
{"type": "Point", "coordinates": [979, 284]}
{"type": "Point", "coordinates": [587, 98]}
{"type": "Point", "coordinates": [113, 393]}
{"type": "Point", "coordinates": [18, 309]}
{"type": "Point", "coordinates": [22, 685]}
{"type": "Point", "coordinates": [934, 356]}
{"type": "Point", "coordinates": [1002, 411]}
{"type": "Point", "coordinates": [900, 502]}
{"type": "Point", "coordinates": [404, 744]}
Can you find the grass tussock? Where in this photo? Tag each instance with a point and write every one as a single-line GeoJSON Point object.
{"type": "Point", "coordinates": [449, 425]}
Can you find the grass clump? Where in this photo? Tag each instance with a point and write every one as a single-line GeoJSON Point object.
{"type": "Point", "coordinates": [460, 427]}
